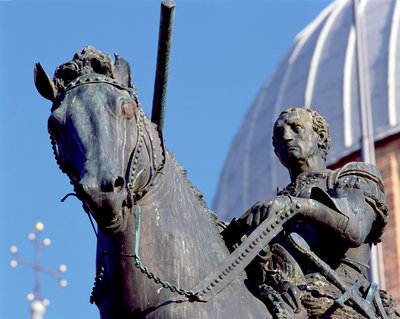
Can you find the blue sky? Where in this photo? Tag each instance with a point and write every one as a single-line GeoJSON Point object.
{"type": "Point", "coordinates": [222, 52]}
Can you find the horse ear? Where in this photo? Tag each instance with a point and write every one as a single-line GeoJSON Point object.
{"type": "Point", "coordinates": [44, 84]}
{"type": "Point", "coordinates": [123, 70]}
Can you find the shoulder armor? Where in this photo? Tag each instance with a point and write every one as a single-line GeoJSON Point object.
{"type": "Point", "coordinates": [362, 170]}
{"type": "Point", "coordinates": [366, 178]}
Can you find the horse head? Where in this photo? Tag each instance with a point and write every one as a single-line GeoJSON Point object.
{"type": "Point", "coordinates": [100, 136]}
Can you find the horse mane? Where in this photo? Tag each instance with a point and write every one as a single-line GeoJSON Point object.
{"type": "Point", "coordinates": [220, 225]}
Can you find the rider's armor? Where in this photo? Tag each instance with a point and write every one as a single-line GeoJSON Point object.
{"type": "Point", "coordinates": [354, 194]}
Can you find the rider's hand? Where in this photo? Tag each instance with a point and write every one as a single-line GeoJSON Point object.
{"type": "Point", "coordinates": [257, 213]}
{"type": "Point", "coordinates": [263, 210]}
{"type": "Point", "coordinates": [291, 295]}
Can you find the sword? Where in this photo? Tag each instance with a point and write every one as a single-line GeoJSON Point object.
{"type": "Point", "coordinates": [351, 293]}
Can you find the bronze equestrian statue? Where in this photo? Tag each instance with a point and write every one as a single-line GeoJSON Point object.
{"type": "Point", "coordinates": [161, 252]}
{"type": "Point", "coordinates": [317, 267]}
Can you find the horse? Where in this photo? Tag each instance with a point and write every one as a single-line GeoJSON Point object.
{"type": "Point", "coordinates": [157, 239]}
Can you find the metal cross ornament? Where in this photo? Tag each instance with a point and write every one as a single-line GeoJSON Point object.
{"type": "Point", "coordinates": [38, 304]}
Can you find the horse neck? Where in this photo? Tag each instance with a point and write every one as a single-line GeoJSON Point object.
{"type": "Point", "coordinates": [175, 219]}
{"type": "Point", "coordinates": [180, 214]}
{"type": "Point", "coordinates": [177, 241]}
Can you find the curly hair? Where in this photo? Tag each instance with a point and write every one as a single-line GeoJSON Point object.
{"type": "Point", "coordinates": [320, 126]}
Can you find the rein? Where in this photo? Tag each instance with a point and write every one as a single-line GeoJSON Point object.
{"type": "Point", "coordinates": [226, 271]}
{"type": "Point", "coordinates": [191, 295]}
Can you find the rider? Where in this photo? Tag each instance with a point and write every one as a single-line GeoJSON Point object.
{"type": "Point", "coordinates": [341, 213]}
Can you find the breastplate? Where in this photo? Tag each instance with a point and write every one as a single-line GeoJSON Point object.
{"type": "Point", "coordinates": [324, 242]}
{"type": "Point", "coordinates": [305, 182]}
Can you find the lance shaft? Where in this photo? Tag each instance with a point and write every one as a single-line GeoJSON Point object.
{"type": "Point", "coordinates": [161, 80]}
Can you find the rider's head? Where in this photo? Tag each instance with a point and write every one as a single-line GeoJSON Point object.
{"type": "Point", "coordinates": [300, 134]}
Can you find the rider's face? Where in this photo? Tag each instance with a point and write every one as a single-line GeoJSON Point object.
{"type": "Point", "coordinates": [294, 139]}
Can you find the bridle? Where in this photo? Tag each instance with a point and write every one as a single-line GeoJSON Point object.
{"type": "Point", "coordinates": [142, 128]}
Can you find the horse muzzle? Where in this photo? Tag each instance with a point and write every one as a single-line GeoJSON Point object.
{"type": "Point", "coordinates": [107, 202]}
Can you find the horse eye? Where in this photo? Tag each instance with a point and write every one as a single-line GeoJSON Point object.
{"type": "Point", "coordinates": [128, 109]}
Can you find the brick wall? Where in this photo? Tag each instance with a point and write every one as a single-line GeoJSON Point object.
{"type": "Point", "coordinates": [388, 163]}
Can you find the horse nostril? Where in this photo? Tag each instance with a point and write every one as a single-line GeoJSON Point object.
{"type": "Point", "coordinates": [119, 184]}
{"type": "Point", "coordinates": [107, 185]}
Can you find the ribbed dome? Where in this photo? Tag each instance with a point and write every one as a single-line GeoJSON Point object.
{"type": "Point", "coordinates": [320, 71]}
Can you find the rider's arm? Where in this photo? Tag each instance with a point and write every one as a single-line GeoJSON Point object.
{"type": "Point", "coordinates": [352, 221]}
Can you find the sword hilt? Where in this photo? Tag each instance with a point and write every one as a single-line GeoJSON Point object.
{"type": "Point", "coordinates": [351, 293]}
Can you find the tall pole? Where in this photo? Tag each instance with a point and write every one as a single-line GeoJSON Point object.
{"type": "Point", "coordinates": [367, 133]}
{"type": "Point", "coordinates": [163, 54]}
